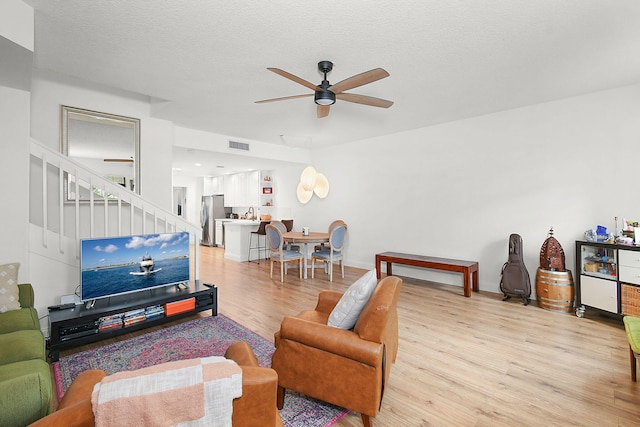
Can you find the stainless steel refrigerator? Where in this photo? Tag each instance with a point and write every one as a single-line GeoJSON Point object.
{"type": "Point", "coordinates": [212, 208]}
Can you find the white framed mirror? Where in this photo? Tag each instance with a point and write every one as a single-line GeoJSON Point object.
{"type": "Point", "coordinates": [106, 143]}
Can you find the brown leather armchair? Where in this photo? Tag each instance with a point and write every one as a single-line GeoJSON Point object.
{"type": "Point", "coordinates": [257, 406]}
{"type": "Point", "coordinates": [348, 368]}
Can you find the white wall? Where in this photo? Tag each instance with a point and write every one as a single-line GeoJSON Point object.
{"type": "Point", "coordinates": [16, 22]}
{"type": "Point", "coordinates": [192, 138]}
{"type": "Point", "coordinates": [156, 151]}
{"type": "Point", "coordinates": [459, 189]}
{"type": "Point", "coordinates": [16, 39]}
{"type": "Point", "coordinates": [14, 191]}
{"type": "Point", "coordinates": [49, 91]}
{"type": "Point", "coordinates": [194, 196]}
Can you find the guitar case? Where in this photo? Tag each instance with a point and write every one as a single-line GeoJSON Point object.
{"type": "Point", "coordinates": [515, 281]}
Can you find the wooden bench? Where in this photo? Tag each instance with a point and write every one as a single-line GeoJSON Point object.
{"type": "Point", "coordinates": [469, 269]}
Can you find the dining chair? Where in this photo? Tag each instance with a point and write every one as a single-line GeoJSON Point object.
{"type": "Point", "coordinates": [334, 224]}
{"type": "Point", "coordinates": [281, 226]}
{"type": "Point", "coordinates": [279, 254]}
{"type": "Point", "coordinates": [261, 243]}
{"type": "Point", "coordinates": [334, 254]}
{"type": "Point", "coordinates": [284, 226]}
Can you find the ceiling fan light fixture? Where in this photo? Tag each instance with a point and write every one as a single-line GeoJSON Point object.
{"type": "Point", "coordinates": [325, 97]}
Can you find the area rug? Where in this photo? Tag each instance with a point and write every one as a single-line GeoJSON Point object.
{"type": "Point", "coordinates": [206, 336]}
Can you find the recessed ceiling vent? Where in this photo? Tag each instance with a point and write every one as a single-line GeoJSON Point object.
{"type": "Point", "coordinates": [239, 145]}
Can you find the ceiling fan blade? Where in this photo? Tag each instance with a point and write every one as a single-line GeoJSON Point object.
{"type": "Point", "coordinates": [284, 98]}
{"type": "Point", "coordinates": [296, 79]}
{"type": "Point", "coordinates": [366, 100]}
{"type": "Point", "coordinates": [359, 80]}
{"type": "Point", "coordinates": [119, 160]}
{"type": "Point", "coordinates": [323, 111]}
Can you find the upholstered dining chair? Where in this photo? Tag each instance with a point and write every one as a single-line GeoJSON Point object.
{"type": "Point", "coordinates": [346, 367]}
{"type": "Point", "coordinates": [280, 225]}
{"type": "Point", "coordinates": [279, 254]}
{"type": "Point", "coordinates": [334, 224]}
{"type": "Point", "coordinates": [284, 227]}
{"type": "Point", "coordinates": [334, 254]}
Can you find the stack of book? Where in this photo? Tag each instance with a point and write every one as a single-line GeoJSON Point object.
{"type": "Point", "coordinates": [134, 316]}
{"type": "Point", "coordinates": [154, 311]}
{"type": "Point", "coordinates": [113, 321]}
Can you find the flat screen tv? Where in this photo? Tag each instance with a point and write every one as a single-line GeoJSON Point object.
{"type": "Point", "coordinates": [112, 266]}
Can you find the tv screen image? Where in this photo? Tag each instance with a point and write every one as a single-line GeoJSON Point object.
{"type": "Point", "coordinates": [112, 266]}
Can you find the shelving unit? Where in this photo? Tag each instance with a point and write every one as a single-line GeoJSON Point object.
{"type": "Point", "coordinates": [81, 325]}
{"type": "Point", "coordinates": [608, 278]}
{"type": "Point", "coordinates": [267, 189]}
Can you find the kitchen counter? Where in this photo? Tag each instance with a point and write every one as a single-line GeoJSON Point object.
{"type": "Point", "coordinates": [240, 221]}
{"type": "Point", "coordinates": [237, 232]}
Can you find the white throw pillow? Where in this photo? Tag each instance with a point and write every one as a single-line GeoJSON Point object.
{"type": "Point", "coordinates": [9, 292]}
{"type": "Point", "coordinates": [345, 314]}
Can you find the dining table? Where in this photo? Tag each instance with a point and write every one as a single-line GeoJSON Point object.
{"type": "Point", "coordinates": [298, 237]}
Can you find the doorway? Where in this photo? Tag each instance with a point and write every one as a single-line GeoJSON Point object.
{"type": "Point", "coordinates": [180, 201]}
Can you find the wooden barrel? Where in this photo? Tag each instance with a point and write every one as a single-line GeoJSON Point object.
{"type": "Point", "coordinates": [554, 290]}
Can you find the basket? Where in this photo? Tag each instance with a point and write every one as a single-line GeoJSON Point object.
{"type": "Point", "coordinates": [591, 267]}
{"type": "Point", "coordinates": [552, 254]}
{"type": "Point", "coordinates": [630, 299]}
{"type": "Point", "coordinates": [265, 217]}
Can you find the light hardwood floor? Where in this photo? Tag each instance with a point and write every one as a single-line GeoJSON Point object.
{"type": "Point", "coordinates": [474, 361]}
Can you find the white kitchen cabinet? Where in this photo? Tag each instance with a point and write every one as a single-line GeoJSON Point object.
{"type": "Point", "coordinates": [213, 185]}
{"type": "Point", "coordinates": [236, 239]}
{"type": "Point", "coordinates": [242, 189]}
{"type": "Point", "coordinates": [253, 188]}
{"type": "Point", "coordinates": [219, 233]}
{"type": "Point", "coordinates": [230, 190]}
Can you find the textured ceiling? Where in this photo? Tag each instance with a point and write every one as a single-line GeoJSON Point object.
{"type": "Point", "coordinates": [203, 62]}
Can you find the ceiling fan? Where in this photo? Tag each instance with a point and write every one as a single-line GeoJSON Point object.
{"type": "Point", "coordinates": [118, 160]}
{"type": "Point", "coordinates": [325, 94]}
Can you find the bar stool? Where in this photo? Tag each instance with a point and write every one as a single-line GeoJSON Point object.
{"type": "Point", "coordinates": [261, 231]}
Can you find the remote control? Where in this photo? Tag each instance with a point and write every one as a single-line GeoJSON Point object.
{"type": "Point", "coordinates": [61, 306]}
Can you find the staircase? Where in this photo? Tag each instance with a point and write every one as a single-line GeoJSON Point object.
{"type": "Point", "coordinates": [59, 220]}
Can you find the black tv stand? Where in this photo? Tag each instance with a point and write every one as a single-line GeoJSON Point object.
{"type": "Point", "coordinates": [81, 325]}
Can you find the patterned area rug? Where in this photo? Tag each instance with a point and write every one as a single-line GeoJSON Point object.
{"type": "Point", "coordinates": [207, 336]}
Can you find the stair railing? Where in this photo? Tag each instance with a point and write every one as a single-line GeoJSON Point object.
{"type": "Point", "coordinates": [78, 203]}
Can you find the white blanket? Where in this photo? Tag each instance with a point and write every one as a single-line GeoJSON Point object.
{"type": "Point", "coordinates": [194, 392]}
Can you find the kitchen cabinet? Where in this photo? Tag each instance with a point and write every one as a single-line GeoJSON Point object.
{"type": "Point", "coordinates": [242, 189]}
{"type": "Point", "coordinates": [253, 188]}
{"type": "Point", "coordinates": [608, 278]}
{"type": "Point", "coordinates": [213, 185]}
{"type": "Point", "coordinates": [219, 235]}
{"type": "Point", "coordinates": [236, 239]}
{"type": "Point", "coordinates": [230, 190]}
